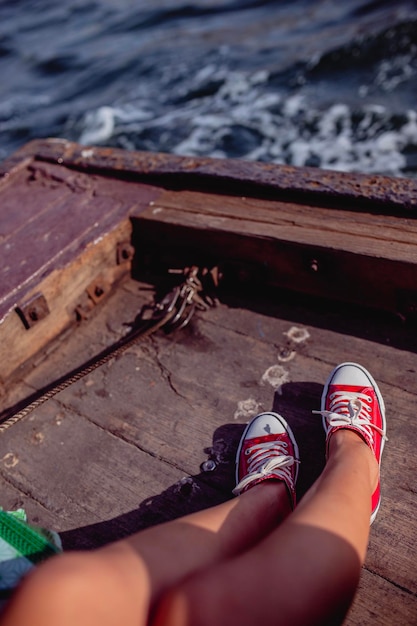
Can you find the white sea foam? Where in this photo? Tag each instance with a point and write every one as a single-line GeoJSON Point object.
{"type": "Point", "coordinates": [246, 117]}
{"type": "Point", "coordinates": [99, 126]}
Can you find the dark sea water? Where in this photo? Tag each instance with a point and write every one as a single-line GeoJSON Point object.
{"type": "Point", "coordinates": [323, 83]}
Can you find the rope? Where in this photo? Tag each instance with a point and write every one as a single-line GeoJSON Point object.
{"type": "Point", "coordinates": [106, 355]}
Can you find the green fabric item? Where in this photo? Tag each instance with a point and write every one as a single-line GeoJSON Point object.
{"type": "Point", "coordinates": [21, 547]}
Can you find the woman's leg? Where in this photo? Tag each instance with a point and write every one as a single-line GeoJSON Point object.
{"type": "Point", "coordinates": [304, 572]}
{"type": "Point", "coordinates": [120, 584]}
{"type": "Point", "coordinates": [307, 570]}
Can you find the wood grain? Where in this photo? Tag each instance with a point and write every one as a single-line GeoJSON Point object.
{"type": "Point", "coordinates": [358, 258]}
{"type": "Point", "coordinates": [123, 448]}
{"type": "Point", "coordinates": [59, 232]}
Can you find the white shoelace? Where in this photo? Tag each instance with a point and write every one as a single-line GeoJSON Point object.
{"type": "Point", "coordinates": [349, 408]}
{"type": "Point", "coordinates": [261, 464]}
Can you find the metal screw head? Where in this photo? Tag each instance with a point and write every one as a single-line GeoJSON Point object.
{"type": "Point", "coordinates": [33, 310]}
{"type": "Point", "coordinates": [125, 252]}
{"type": "Point", "coordinates": [99, 288]}
{"type": "Point", "coordinates": [33, 314]}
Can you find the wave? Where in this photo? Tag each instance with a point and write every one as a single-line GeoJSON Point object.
{"type": "Point", "coordinates": [322, 84]}
{"type": "Point", "coordinates": [247, 119]}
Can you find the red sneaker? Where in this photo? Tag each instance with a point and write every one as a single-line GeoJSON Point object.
{"type": "Point", "coordinates": [267, 450]}
{"type": "Point", "coordinates": [351, 399]}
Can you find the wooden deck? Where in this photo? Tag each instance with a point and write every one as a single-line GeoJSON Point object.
{"type": "Point", "coordinates": [125, 448]}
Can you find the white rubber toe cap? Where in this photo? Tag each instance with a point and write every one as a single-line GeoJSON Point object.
{"type": "Point", "coordinates": [266, 424]}
{"type": "Point", "coordinates": [351, 374]}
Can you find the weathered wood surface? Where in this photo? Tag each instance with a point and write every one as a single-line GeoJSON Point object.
{"type": "Point", "coordinates": [123, 448]}
{"type": "Point", "coordinates": [373, 193]}
{"type": "Point", "coordinates": [65, 209]}
{"type": "Point", "coordinates": [50, 214]}
{"type": "Point", "coordinates": [59, 235]}
{"type": "Point", "coordinates": [338, 254]}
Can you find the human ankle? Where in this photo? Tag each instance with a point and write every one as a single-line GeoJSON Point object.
{"type": "Point", "coordinates": [273, 491]}
{"type": "Point", "coordinates": [346, 441]}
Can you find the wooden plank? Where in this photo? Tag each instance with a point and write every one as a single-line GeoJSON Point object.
{"type": "Point", "coordinates": [222, 369]}
{"type": "Point", "coordinates": [58, 214]}
{"type": "Point", "coordinates": [13, 498]}
{"type": "Point", "coordinates": [123, 448]}
{"type": "Point", "coordinates": [335, 255]}
{"type": "Point", "coordinates": [136, 428]}
{"type": "Point", "coordinates": [61, 463]}
{"type": "Point", "coordinates": [377, 194]}
{"type": "Point", "coordinates": [357, 334]}
{"type": "Point", "coordinates": [361, 233]}
{"type": "Point", "coordinates": [60, 231]}
{"type": "Point", "coordinates": [55, 207]}
{"type": "Point", "coordinates": [380, 602]}
{"type": "Point", "coordinates": [20, 206]}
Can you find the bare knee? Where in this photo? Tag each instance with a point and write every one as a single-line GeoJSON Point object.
{"type": "Point", "coordinates": [75, 588]}
{"type": "Point", "coordinates": [49, 590]}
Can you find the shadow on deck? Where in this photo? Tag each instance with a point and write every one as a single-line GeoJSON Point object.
{"type": "Point", "coordinates": [125, 448]}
